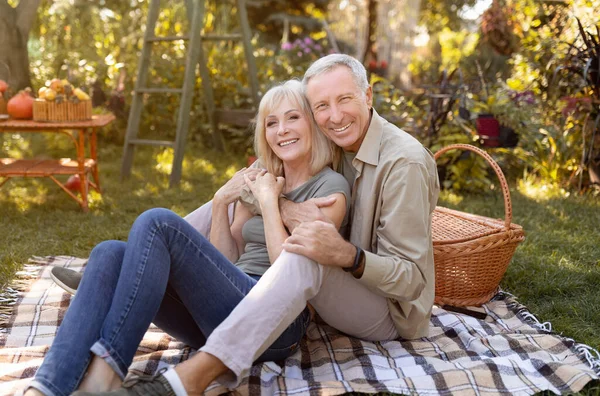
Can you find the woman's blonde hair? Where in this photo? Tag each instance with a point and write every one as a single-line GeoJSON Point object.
{"type": "Point", "coordinates": [322, 150]}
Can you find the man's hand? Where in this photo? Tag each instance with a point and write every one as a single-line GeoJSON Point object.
{"type": "Point", "coordinates": [293, 214]}
{"type": "Point", "coordinates": [321, 242]}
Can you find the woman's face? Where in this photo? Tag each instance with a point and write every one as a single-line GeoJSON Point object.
{"type": "Point", "coordinates": [288, 133]}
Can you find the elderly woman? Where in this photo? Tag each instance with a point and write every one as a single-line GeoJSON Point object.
{"type": "Point", "coordinates": [169, 274]}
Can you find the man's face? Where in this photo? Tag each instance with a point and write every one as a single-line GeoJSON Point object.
{"type": "Point", "coordinates": [341, 110]}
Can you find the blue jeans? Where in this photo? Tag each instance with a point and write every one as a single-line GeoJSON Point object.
{"type": "Point", "coordinates": [166, 273]}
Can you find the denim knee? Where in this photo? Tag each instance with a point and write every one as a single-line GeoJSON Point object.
{"type": "Point", "coordinates": [156, 216]}
{"type": "Point", "coordinates": [106, 255]}
{"type": "Point", "coordinates": [113, 248]}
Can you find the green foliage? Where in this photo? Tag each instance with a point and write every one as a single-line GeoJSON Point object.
{"type": "Point", "coordinates": [552, 63]}
{"type": "Point", "coordinates": [540, 86]}
{"type": "Point", "coordinates": [437, 14]}
{"type": "Point", "coordinates": [268, 17]}
{"type": "Point", "coordinates": [462, 170]}
{"type": "Point", "coordinates": [400, 108]}
{"type": "Point", "coordinates": [459, 171]}
{"type": "Point", "coordinates": [60, 47]}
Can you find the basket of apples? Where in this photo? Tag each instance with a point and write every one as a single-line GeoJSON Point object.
{"type": "Point", "coordinates": [60, 101]}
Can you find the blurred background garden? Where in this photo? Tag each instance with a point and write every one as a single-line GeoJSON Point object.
{"type": "Point", "coordinates": [519, 78]}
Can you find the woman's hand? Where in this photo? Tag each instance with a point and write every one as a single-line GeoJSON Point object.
{"type": "Point", "coordinates": [230, 191]}
{"type": "Point", "coordinates": [266, 188]}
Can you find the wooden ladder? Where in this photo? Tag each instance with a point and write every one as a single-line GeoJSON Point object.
{"type": "Point", "coordinates": [195, 55]}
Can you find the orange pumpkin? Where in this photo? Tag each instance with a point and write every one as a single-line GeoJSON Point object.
{"type": "Point", "coordinates": [20, 106]}
{"type": "Point", "coordinates": [3, 86]}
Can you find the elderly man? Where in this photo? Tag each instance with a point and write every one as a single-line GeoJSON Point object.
{"type": "Point", "coordinates": [378, 285]}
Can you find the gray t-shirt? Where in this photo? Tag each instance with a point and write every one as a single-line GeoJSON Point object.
{"type": "Point", "coordinates": [255, 259]}
{"type": "Point", "coordinates": [347, 169]}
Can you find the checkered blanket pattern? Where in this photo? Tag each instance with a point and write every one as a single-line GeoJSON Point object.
{"type": "Point", "coordinates": [509, 352]}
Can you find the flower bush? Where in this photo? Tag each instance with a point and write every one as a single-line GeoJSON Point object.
{"type": "Point", "coordinates": [303, 51]}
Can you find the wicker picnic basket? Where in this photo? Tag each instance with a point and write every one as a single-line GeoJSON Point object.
{"type": "Point", "coordinates": [471, 252]}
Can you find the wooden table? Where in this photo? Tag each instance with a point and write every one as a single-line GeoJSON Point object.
{"type": "Point", "coordinates": [10, 167]}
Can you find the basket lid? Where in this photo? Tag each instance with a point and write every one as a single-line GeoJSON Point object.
{"type": "Point", "coordinates": [453, 226]}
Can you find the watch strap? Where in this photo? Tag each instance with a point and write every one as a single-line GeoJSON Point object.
{"type": "Point", "coordinates": [357, 260]}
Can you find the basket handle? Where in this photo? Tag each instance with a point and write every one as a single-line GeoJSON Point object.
{"type": "Point", "coordinates": [494, 165]}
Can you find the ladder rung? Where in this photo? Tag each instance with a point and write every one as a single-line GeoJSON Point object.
{"type": "Point", "coordinates": [149, 142]}
{"type": "Point", "coordinates": [159, 90]}
{"type": "Point", "coordinates": [168, 38]}
{"type": "Point", "coordinates": [221, 37]}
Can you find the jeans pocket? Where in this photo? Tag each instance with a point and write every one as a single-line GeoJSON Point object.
{"type": "Point", "coordinates": [275, 354]}
{"type": "Point", "coordinates": [289, 341]}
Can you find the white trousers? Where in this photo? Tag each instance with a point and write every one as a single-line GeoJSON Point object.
{"type": "Point", "coordinates": [280, 296]}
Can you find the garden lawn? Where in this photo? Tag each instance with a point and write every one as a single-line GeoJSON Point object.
{"type": "Point", "coordinates": [38, 218]}
{"type": "Point", "coordinates": [555, 272]}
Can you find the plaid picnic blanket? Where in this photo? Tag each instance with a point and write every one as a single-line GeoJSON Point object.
{"type": "Point", "coordinates": [509, 352]}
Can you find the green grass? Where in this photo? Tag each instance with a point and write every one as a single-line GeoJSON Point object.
{"type": "Point", "coordinates": [38, 218]}
{"type": "Point", "coordinates": [555, 272]}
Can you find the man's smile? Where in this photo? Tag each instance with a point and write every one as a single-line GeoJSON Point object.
{"type": "Point", "coordinates": [343, 128]}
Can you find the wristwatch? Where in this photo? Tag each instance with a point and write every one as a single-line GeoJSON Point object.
{"type": "Point", "coordinates": [359, 259]}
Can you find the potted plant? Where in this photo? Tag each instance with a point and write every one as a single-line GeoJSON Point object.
{"type": "Point", "coordinates": [502, 115]}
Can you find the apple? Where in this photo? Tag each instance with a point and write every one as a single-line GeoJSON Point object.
{"type": "Point", "coordinates": [73, 183]}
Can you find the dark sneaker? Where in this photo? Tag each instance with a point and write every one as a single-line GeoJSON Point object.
{"type": "Point", "coordinates": [66, 278]}
{"type": "Point", "coordinates": [144, 385]}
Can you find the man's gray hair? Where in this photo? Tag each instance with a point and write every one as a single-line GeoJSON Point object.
{"type": "Point", "coordinates": [330, 62]}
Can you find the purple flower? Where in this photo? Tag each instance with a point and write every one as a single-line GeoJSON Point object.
{"type": "Point", "coordinates": [317, 47]}
{"type": "Point", "coordinates": [306, 50]}
{"type": "Point", "coordinates": [287, 46]}
{"type": "Point", "coordinates": [299, 53]}
{"type": "Point", "coordinates": [308, 40]}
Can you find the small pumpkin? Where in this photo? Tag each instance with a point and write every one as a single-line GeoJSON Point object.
{"type": "Point", "coordinates": [20, 106]}
{"type": "Point", "coordinates": [3, 86]}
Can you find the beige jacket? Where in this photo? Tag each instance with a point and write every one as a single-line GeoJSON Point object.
{"type": "Point", "coordinates": [393, 197]}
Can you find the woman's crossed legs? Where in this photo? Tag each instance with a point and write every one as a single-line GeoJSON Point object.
{"type": "Point", "coordinates": [167, 273]}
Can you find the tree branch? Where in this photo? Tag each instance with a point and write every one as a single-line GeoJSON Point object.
{"type": "Point", "coordinates": [26, 14]}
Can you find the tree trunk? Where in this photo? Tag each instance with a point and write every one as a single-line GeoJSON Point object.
{"type": "Point", "coordinates": [371, 32]}
{"type": "Point", "coordinates": [15, 24]}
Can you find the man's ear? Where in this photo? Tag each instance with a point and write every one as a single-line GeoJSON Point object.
{"type": "Point", "coordinates": [369, 95]}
